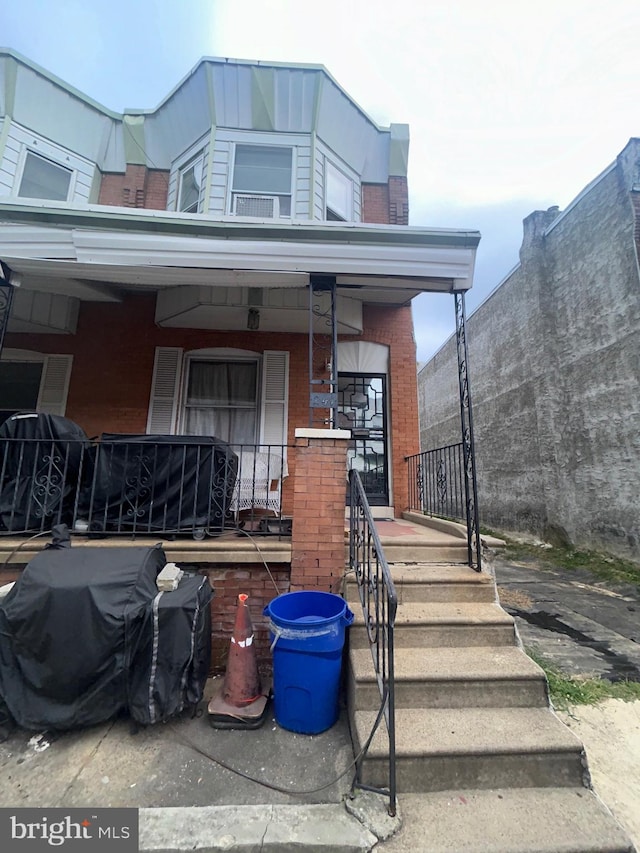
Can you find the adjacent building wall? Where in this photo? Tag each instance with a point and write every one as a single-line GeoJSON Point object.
{"type": "Point", "coordinates": [554, 358]}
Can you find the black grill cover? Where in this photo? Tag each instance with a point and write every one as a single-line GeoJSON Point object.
{"type": "Point", "coordinates": [77, 639]}
{"type": "Point", "coordinates": [40, 469]}
{"type": "Point", "coordinates": [160, 483]}
{"type": "Point", "coordinates": [173, 659]}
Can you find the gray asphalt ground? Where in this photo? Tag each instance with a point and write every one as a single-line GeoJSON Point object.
{"type": "Point", "coordinates": [584, 626]}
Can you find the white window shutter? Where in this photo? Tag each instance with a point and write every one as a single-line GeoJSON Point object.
{"type": "Point", "coordinates": [54, 385]}
{"type": "Point", "coordinates": [165, 386]}
{"type": "Point", "coordinates": [275, 396]}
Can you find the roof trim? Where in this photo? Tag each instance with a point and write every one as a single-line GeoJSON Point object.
{"type": "Point", "coordinates": [208, 60]}
{"type": "Point", "coordinates": [23, 60]}
{"type": "Point", "coordinates": [171, 222]}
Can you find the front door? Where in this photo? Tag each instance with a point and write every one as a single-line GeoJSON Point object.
{"type": "Point", "coordinates": [362, 409]}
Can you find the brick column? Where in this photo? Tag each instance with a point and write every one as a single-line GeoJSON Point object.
{"type": "Point", "coordinates": [319, 494]}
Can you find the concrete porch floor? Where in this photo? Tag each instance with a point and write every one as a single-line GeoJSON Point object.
{"type": "Point", "coordinates": [238, 547]}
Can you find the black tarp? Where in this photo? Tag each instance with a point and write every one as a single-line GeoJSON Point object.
{"type": "Point", "coordinates": [76, 638]}
{"type": "Point", "coordinates": [160, 483]}
{"type": "Point", "coordinates": [173, 659]}
{"type": "Point", "coordinates": [41, 463]}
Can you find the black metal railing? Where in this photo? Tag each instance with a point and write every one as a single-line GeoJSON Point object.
{"type": "Point", "coordinates": [436, 482]}
{"type": "Point", "coordinates": [141, 485]}
{"type": "Point", "coordinates": [379, 604]}
{"type": "Point", "coordinates": [438, 488]}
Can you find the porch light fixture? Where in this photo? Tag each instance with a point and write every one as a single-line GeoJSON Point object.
{"type": "Point", "coordinates": [253, 319]}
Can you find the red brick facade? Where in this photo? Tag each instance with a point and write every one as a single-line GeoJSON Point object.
{"type": "Point", "coordinates": [138, 187]}
{"type": "Point", "coordinates": [317, 546]}
{"type": "Point", "coordinates": [386, 204]}
{"type": "Point", "coordinates": [113, 352]}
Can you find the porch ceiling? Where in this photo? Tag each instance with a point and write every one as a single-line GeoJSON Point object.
{"type": "Point", "coordinates": [96, 252]}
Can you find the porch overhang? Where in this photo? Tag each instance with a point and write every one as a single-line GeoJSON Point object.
{"type": "Point", "coordinates": [93, 252]}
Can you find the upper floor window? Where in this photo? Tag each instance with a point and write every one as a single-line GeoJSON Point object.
{"type": "Point", "coordinates": [338, 194]}
{"type": "Point", "coordinates": [191, 185]}
{"type": "Point", "coordinates": [261, 184]}
{"type": "Point", "coordinates": [42, 178]}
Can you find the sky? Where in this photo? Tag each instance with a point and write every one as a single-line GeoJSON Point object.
{"type": "Point", "coordinates": [513, 106]}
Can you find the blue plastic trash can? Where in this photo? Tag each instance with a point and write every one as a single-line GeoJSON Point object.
{"type": "Point", "coordinates": [307, 635]}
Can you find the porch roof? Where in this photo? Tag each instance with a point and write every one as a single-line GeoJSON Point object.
{"type": "Point", "coordinates": [80, 250]}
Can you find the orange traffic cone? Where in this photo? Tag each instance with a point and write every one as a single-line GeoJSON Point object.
{"type": "Point", "coordinates": [240, 702]}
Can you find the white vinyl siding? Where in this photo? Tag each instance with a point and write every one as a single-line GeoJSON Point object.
{"type": "Point", "coordinates": [220, 177]}
{"type": "Point", "coordinates": [167, 380]}
{"type": "Point", "coordinates": [19, 142]}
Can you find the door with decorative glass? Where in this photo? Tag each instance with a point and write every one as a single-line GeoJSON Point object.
{"type": "Point", "coordinates": [362, 409]}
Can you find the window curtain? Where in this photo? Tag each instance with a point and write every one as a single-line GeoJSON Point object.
{"type": "Point", "coordinates": [221, 401]}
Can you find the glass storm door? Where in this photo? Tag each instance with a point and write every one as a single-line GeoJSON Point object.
{"type": "Point", "coordinates": [362, 409]}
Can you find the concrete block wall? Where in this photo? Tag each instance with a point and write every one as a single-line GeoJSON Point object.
{"type": "Point", "coordinates": [554, 363]}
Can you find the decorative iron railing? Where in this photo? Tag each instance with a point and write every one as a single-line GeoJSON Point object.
{"type": "Point", "coordinates": [438, 488]}
{"type": "Point", "coordinates": [140, 486]}
{"type": "Point", "coordinates": [436, 482]}
{"type": "Point", "coordinates": [379, 604]}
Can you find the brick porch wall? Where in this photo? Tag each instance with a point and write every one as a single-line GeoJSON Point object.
{"type": "Point", "coordinates": [317, 543]}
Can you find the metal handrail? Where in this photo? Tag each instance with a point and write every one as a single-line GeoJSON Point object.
{"type": "Point", "coordinates": [140, 486]}
{"type": "Point", "coordinates": [379, 602]}
{"type": "Point", "coordinates": [438, 487]}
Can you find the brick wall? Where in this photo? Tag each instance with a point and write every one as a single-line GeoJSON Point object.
{"type": "Point", "coordinates": [375, 203]}
{"type": "Point", "coordinates": [138, 187]}
{"type": "Point", "coordinates": [398, 201]}
{"type": "Point", "coordinates": [317, 544]}
{"type": "Point", "coordinates": [114, 347]}
{"type": "Point", "coordinates": [386, 204]}
{"type": "Point", "coordinates": [228, 584]}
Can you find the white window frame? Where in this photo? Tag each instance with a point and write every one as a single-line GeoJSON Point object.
{"type": "Point", "coordinates": [49, 154]}
{"type": "Point", "coordinates": [220, 356]}
{"type": "Point", "coordinates": [333, 171]}
{"type": "Point", "coordinates": [54, 379]}
{"type": "Point", "coordinates": [182, 170]}
{"type": "Point", "coordinates": [275, 143]}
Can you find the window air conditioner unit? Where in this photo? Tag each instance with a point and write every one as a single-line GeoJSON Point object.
{"type": "Point", "coordinates": [260, 206]}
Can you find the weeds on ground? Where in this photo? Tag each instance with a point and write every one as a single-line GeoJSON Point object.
{"type": "Point", "coordinates": [566, 691]}
{"type": "Point", "coordinates": [603, 566]}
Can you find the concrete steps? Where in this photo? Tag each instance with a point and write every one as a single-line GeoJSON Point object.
{"type": "Point", "coordinates": [477, 746]}
{"type": "Point", "coordinates": [442, 749]}
{"type": "Point", "coordinates": [425, 625]}
{"type": "Point", "coordinates": [494, 676]}
{"type": "Point", "coordinates": [508, 820]}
